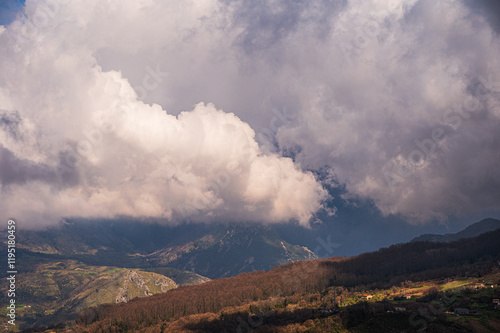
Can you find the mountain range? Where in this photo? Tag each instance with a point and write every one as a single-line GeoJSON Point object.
{"type": "Point", "coordinates": [81, 263]}
{"type": "Point", "coordinates": [78, 264]}
{"type": "Point", "coordinates": [412, 287]}
{"type": "Point", "coordinates": [473, 230]}
{"type": "Point", "coordinates": [213, 251]}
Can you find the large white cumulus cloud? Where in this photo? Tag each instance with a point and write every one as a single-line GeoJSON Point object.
{"type": "Point", "coordinates": [76, 141]}
{"type": "Point", "coordinates": [398, 100]}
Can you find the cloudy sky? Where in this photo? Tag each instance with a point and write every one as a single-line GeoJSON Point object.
{"type": "Point", "coordinates": [265, 111]}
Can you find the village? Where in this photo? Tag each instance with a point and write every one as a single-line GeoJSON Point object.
{"type": "Point", "coordinates": [465, 297]}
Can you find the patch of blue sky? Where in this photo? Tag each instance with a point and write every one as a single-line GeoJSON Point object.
{"type": "Point", "coordinates": [9, 10]}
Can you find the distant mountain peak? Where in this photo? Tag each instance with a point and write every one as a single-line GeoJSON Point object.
{"type": "Point", "coordinates": [231, 250]}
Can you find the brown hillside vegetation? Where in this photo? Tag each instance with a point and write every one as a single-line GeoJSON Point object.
{"type": "Point", "coordinates": [246, 295]}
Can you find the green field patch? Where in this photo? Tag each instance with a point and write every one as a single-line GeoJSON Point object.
{"type": "Point", "coordinates": [454, 284]}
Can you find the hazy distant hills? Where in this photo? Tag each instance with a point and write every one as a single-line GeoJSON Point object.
{"type": "Point", "coordinates": [210, 250]}
{"type": "Point", "coordinates": [473, 230]}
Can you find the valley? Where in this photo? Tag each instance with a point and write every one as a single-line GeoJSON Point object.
{"type": "Point", "coordinates": [404, 288]}
{"type": "Point", "coordinates": [257, 278]}
{"type": "Point", "coordinates": [77, 265]}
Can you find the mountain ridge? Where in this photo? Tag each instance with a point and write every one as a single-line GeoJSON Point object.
{"type": "Point", "coordinates": [473, 230]}
{"type": "Point", "coordinates": [281, 295]}
{"type": "Point", "coordinates": [228, 252]}
{"type": "Point", "coordinates": [213, 251]}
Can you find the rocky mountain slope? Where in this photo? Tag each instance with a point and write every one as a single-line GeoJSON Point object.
{"type": "Point", "coordinates": [228, 252]}
{"type": "Point", "coordinates": [215, 250]}
{"type": "Point", "coordinates": [182, 278]}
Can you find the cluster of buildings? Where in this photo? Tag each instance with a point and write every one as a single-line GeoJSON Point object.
{"type": "Point", "coordinates": [465, 311]}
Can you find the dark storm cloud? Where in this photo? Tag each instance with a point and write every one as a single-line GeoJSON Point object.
{"type": "Point", "coordinates": [488, 8]}
{"type": "Point", "coordinates": [15, 171]}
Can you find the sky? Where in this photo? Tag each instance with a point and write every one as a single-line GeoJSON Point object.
{"type": "Point", "coordinates": [276, 112]}
{"type": "Point", "coordinates": [9, 10]}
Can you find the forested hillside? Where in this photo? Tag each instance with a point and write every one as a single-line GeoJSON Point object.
{"type": "Point", "coordinates": [385, 268]}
